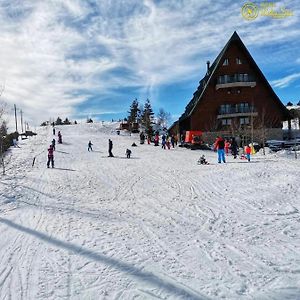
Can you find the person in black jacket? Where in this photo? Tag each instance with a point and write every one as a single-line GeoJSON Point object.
{"type": "Point", "coordinates": [90, 146]}
{"type": "Point", "coordinates": [110, 146]}
{"type": "Point", "coordinates": [234, 148]}
{"type": "Point", "coordinates": [128, 153]}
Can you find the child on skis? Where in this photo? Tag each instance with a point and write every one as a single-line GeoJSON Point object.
{"type": "Point", "coordinates": [50, 157]}
{"type": "Point", "coordinates": [248, 152]}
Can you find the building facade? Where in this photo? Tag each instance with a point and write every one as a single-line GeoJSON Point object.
{"type": "Point", "coordinates": [234, 99]}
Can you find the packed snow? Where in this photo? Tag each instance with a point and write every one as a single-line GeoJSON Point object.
{"type": "Point", "coordinates": [155, 226]}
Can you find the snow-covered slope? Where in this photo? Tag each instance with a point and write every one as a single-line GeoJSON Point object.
{"type": "Point", "coordinates": [156, 226]}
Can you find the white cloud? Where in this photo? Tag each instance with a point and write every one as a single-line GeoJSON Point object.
{"type": "Point", "coordinates": [51, 49]}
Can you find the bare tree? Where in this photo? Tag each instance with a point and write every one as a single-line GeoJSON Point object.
{"type": "Point", "coordinates": [163, 118]}
{"type": "Point", "coordinates": [264, 123]}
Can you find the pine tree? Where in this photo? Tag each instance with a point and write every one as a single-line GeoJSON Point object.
{"type": "Point", "coordinates": [147, 117]}
{"type": "Point", "coordinates": [58, 121]}
{"type": "Point", "coordinates": [140, 114]}
{"type": "Point", "coordinates": [134, 111]}
{"type": "Point", "coordinates": [66, 122]}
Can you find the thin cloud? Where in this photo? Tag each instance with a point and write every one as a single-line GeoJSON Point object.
{"type": "Point", "coordinates": [285, 81]}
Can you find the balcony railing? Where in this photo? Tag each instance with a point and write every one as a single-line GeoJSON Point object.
{"type": "Point", "coordinates": [235, 80]}
{"type": "Point", "coordinates": [236, 110]}
{"type": "Point", "coordinates": [233, 112]}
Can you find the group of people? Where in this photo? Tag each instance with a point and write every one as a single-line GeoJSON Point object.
{"type": "Point", "coordinates": [166, 141]}
{"type": "Point", "coordinates": [51, 148]}
{"type": "Point", "coordinates": [223, 146]}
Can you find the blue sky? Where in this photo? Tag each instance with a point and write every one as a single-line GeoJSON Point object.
{"type": "Point", "coordinates": [79, 58]}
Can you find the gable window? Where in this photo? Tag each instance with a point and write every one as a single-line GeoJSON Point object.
{"type": "Point", "coordinates": [238, 61]}
{"type": "Point", "coordinates": [226, 62]}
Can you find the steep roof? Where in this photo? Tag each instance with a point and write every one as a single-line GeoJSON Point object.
{"type": "Point", "coordinates": [197, 96]}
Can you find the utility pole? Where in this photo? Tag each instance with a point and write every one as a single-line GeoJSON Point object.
{"type": "Point", "coordinates": [252, 129]}
{"type": "Point", "coordinates": [16, 117]}
{"type": "Point", "coordinates": [22, 120]}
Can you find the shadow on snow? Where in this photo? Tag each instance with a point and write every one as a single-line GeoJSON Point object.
{"type": "Point", "coordinates": [149, 277]}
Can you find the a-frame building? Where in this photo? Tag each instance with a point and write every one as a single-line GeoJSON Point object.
{"type": "Point", "coordinates": [234, 99]}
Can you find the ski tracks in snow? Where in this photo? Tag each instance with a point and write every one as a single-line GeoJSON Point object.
{"type": "Point", "coordinates": [157, 227]}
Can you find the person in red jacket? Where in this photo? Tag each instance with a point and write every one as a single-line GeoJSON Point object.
{"type": "Point", "coordinates": [50, 157]}
{"type": "Point", "coordinates": [227, 146]}
{"type": "Point", "coordinates": [219, 146]}
{"type": "Point", "coordinates": [248, 152]}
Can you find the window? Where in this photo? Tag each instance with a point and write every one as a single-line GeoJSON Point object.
{"type": "Point", "coordinates": [238, 61]}
{"type": "Point", "coordinates": [226, 122]}
{"type": "Point", "coordinates": [225, 109]}
{"type": "Point", "coordinates": [244, 107]}
{"type": "Point", "coordinates": [226, 62]}
{"type": "Point", "coordinates": [244, 121]}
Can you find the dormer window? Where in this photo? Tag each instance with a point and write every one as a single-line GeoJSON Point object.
{"type": "Point", "coordinates": [238, 61]}
{"type": "Point", "coordinates": [226, 62]}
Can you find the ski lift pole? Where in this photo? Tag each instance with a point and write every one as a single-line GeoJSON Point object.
{"type": "Point", "coordinates": [34, 159]}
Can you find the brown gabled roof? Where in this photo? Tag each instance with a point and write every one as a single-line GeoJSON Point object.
{"type": "Point", "coordinates": [197, 96]}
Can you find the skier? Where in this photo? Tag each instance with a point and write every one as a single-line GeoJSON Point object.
{"type": "Point", "coordinates": [168, 142]}
{"type": "Point", "coordinates": [173, 141]}
{"type": "Point", "coordinates": [50, 157]}
{"type": "Point", "coordinates": [59, 137]}
{"type": "Point", "coordinates": [110, 146]}
{"type": "Point", "coordinates": [53, 131]}
{"type": "Point", "coordinates": [248, 152]}
{"type": "Point", "coordinates": [234, 148]}
{"type": "Point", "coordinates": [156, 140]}
{"type": "Point", "coordinates": [90, 146]}
{"type": "Point", "coordinates": [227, 146]}
{"type": "Point", "coordinates": [142, 138]}
{"type": "Point", "coordinates": [219, 146]}
{"type": "Point", "coordinates": [163, 142]}
{"type": "Point", "coordinates": [53, 144]}
{"type": "Point", "coordinates": [128, 153]}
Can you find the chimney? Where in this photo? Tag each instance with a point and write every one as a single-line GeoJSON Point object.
{"type": "Point", "coordinates": [208, 63]}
